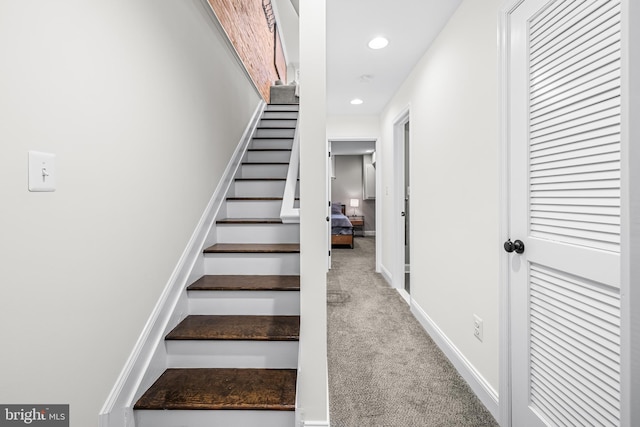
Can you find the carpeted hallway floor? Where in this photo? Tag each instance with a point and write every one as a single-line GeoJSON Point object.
{"type": "Point", "coordinates": [384, 370]}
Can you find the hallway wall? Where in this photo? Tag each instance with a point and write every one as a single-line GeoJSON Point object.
{"type": "Point", "coordinates": [143, 103]}
{"type": "Point", "coordinates": [452, 95]}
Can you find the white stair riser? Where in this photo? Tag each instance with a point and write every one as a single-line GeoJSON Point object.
{"type": "Point", "coordinates": [257, 303]}
{"type": "Point", "coordinates": [278, 123]}
{"type": "Point", "coordinates": [274, 133]}
{"type": "Point", "coordinates": [268, 156]}
{"type": "Point", "coordinates": [254, 208]}
{"type": "Point", "coordinates": [249, 263]}
{"type": "Point", "coordinates": [285, 143]}
{"type": "Point", "coordinates": [258, 233]}
{"type": "Point", "coordinates": [203, 418]}
{"type": "Point", "coordinates": [232, 354]}
{"type": "Point", "coordinates": [264, 171]}
{"type": "Point", "coordinates": [282, 107]}
{"type": "Point", "coordinates": [280, 115]}
{"type": "Point", "coordinates": [253, 188]}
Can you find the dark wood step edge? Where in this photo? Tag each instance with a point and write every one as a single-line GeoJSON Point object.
{"type": "Point", "coordinates": [246, 283]}
{"type": "Point", "coordinates": [252, 248]}
{"type": "Point", "coordinates": [208, 389]}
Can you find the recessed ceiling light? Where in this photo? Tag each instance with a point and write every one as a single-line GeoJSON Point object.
{"type": "Point", "coordinates": [378, 43]}
{"type": "Point", "coordinates": [356, 101]}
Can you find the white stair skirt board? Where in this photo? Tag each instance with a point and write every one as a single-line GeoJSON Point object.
{"type": "Point", "coordinates": [268, 156]}
{"type": "Point", "coordinates": [259, 303]}
{"type": "Point", "coordinates": [284, 143]}
{"type": "Point", "coordinates": [274, 133]}
{"type": "Point", "coordinates": [232, 354]}
{"type": "Point", "coordinates": [204, 418]}
{"type": "Point", "coordinates": [260, 171]}
{"type": "Point", "coordinates": [252, 263]}
{"type": "Point", "coordinates": [280, 115]}
{"type": "Point", "coordinates": [487, 395]}
{"type": "Point", "coordinates": [253, 188]}
{"type": "Point", "coordinates": [253, 208]}
{"type": "Point", "coordinates": [278, 123]}
{"type": "Point", "coordinates": [258, 233]}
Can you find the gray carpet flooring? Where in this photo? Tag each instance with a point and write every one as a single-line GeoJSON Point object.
{"type": "Point", "coordinates": [384, 370]}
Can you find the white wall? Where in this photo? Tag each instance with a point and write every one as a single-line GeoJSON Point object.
{"type": "Point", "coordinates": [313, 393]}
{"type": "Point", "coordinates": [343, 127]}
{"type": "Point", "coordinates": [143, 103]}
{"type": "Point", "coordinates": [452, 95]}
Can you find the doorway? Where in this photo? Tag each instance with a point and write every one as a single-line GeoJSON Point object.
{"type": "Point", "coordinates": [353, 182]}
{"type": "Point", "coordinates": [402, 204]}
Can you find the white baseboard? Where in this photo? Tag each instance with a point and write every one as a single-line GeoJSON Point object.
{"type": "Point", "coordinates": [487, 395]}
{"type": "Point", "coordinates": [386, 274]}
{"type": "Point", "coordinates": [370, 233]}
{"type": "Point", "coordinates": [316, 424]}
{"type": "Point", "coordinates": [148, 359]}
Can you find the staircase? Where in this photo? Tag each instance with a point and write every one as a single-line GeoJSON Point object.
{"type": "Point", "coordinates": [232, 361]}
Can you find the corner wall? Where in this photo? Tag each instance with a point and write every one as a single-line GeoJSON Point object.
{"type": "Point", "coordinates": [143, 103]}
{"type": "Point", "coordinates": [452, 95]}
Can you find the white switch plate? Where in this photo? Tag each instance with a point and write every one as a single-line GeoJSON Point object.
{"type": "Point", "coordinates": [42, 171]}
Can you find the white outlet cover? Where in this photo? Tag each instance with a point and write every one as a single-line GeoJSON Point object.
{"type": "Point", "coordinates": [42, 171]}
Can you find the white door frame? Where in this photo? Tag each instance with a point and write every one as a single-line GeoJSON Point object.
{"type": "Point", "coordinates": [630, 219]}
{"type": "Point", "coordinates": [398, 199]}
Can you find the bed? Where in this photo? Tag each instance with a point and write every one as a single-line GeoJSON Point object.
{"type": "Point", "coordinates": [341, 227]}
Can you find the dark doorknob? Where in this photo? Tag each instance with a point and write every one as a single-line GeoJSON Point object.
{"type": "Point", "coordinates": [403, 214]}
{"type": "Point", "coordinates": [517, 246]}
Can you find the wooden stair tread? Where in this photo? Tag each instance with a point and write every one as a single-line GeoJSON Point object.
{"type": "Point", "coordinates": [249, 221]}
{"type": "Point", "coordinates": [246, 283]}
{"type": "Point", "coordinates": [222, 389]}
{"type": "Point", "coordinates": [254, 328]}
{"type": "Point", "coordinates": [253, 248]}
{"type": "Point", "coordinates": [269, 149]}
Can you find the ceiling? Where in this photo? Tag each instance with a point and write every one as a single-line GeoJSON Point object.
{"type": "Point", "coordinates": [353, 69]}
{"type": "Point", "coordinates": [356, 71]}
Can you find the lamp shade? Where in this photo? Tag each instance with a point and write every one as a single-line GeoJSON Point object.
{"type": "Point", "coordinates": [354, 203]}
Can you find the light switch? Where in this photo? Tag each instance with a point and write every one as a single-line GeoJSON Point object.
{"type": "Point", "coordinates": [42, 171]}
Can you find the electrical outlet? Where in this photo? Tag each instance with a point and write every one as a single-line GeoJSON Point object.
{"type": "Point", "coordinates": [477, 327]}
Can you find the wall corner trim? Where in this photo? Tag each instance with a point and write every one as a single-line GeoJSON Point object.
{"type": "Point", "coordinates": [487, 395]}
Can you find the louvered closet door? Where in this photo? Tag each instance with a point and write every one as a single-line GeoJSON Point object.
{"type": "Point", "coordinates": [564, 143]}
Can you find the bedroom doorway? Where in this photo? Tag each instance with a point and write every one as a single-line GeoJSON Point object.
{"type": "Point", "coordinates": [352, 184]}
{"type": "Point", "coordinates": [402, 190]}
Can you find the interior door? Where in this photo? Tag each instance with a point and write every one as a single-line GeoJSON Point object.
{"type": "Point", "coordinates": [407, 211]}
{"type": "Point", "coordinates": [564, 210]}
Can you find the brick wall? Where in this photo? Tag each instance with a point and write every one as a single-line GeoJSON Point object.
{"type": "Point", "coordinates": [246, 26]}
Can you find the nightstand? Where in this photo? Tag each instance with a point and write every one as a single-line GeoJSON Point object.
{"type": "Point", "coordinates": [358, 224]}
